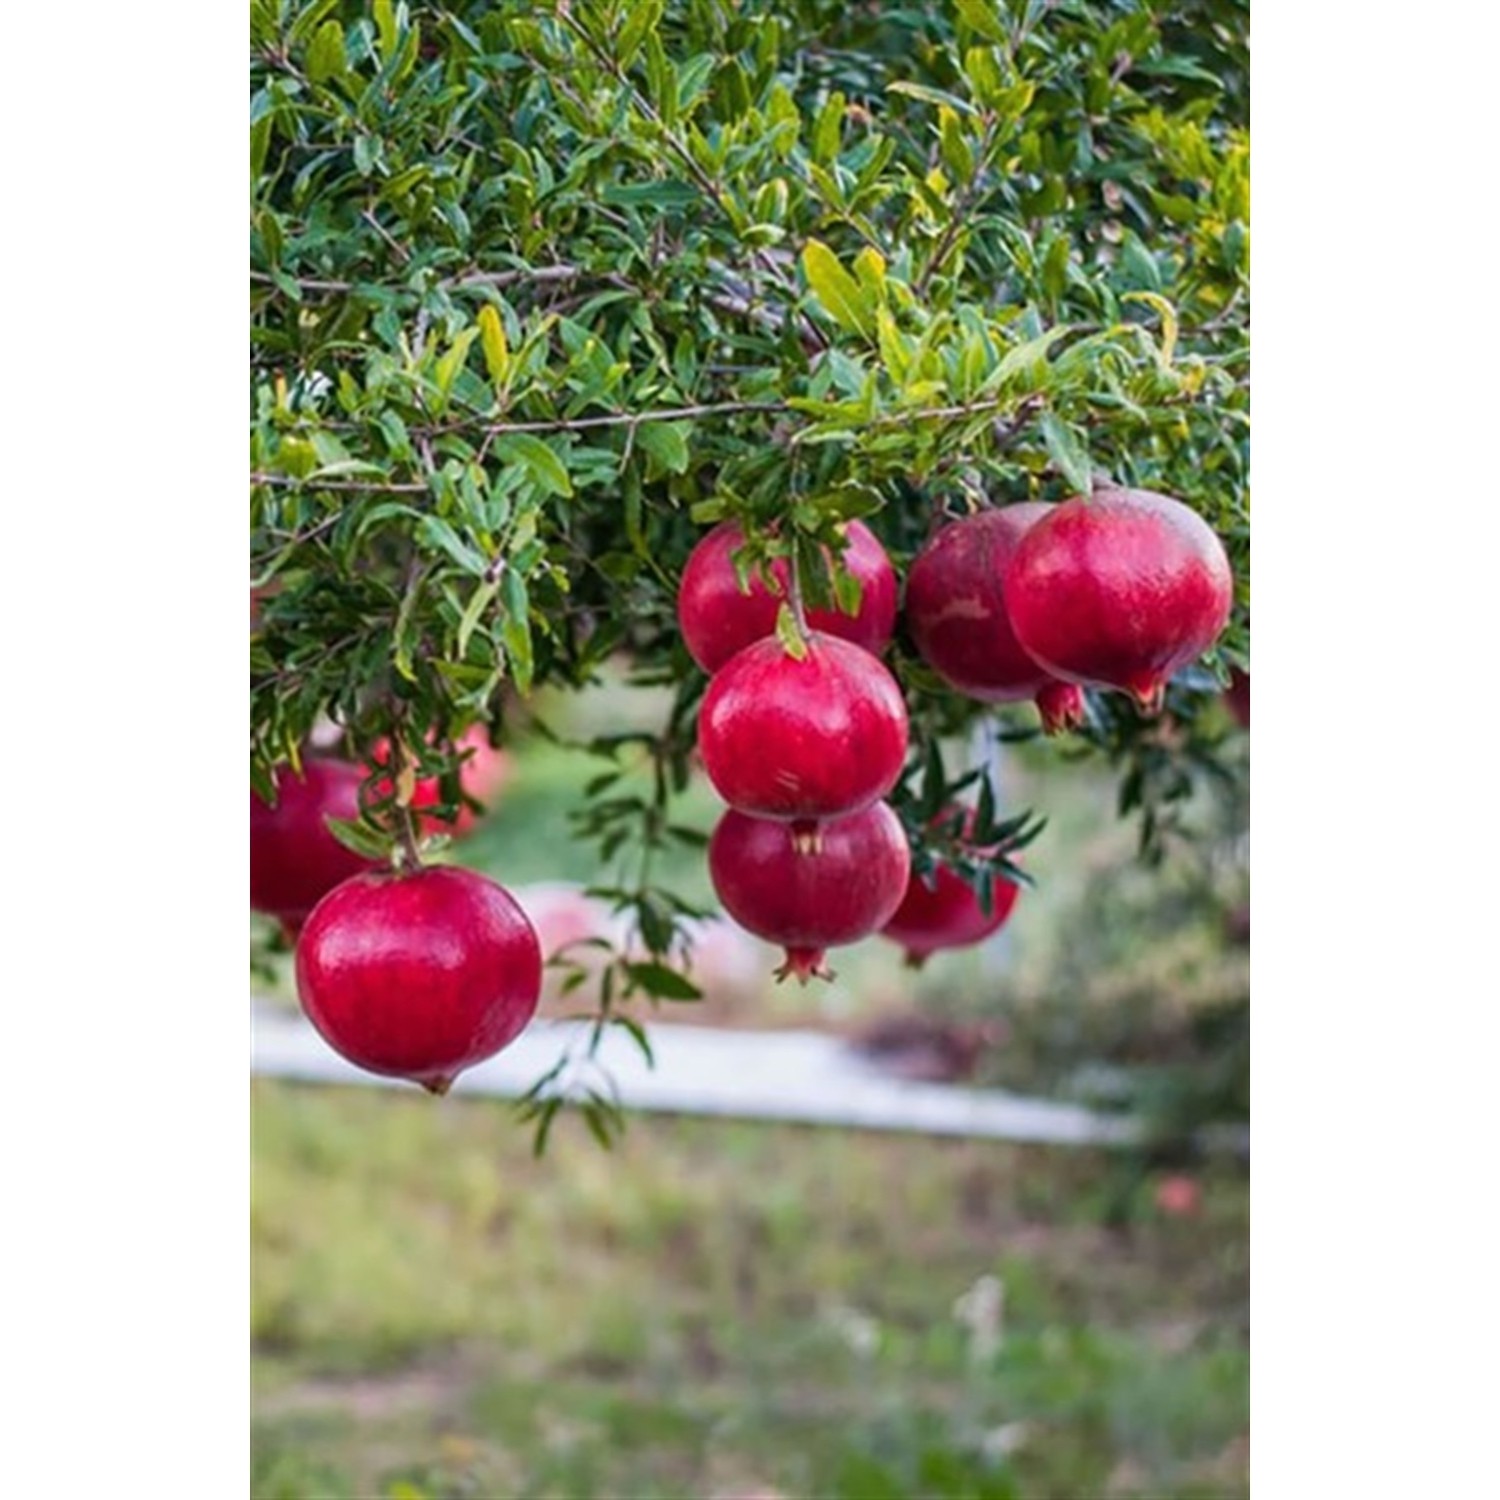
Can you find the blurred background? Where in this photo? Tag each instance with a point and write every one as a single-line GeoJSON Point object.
{"type": "Point", "coordinates": [727, 1309]}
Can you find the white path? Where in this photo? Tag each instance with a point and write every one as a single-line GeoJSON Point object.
{"type": "Point", "coordinates": [800, 1076]}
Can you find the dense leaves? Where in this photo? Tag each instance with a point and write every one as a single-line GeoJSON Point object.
{"type": "Point", "coordinates": [539, 291]}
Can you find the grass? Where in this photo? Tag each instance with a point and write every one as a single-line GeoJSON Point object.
{"type": "Point", "coordinates": [726, 1310]}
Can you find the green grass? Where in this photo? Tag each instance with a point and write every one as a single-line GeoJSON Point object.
{"type": "Point", "coordinates": [720, 1310]}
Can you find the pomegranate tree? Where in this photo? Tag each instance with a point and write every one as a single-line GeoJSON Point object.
{"type": "Point", "coordinates": [803, 737]}
{"type": "Point", "coordinates": [1120, 589]}
{"type": "Point", "coordinates": [294, 858]}
{"type": "Point", "coordinates": [719, 618]}
{"type": "Point", "coordinates": [419, 974]}
{"type": "Point", "coordinates": [956, 612]}
{"type": "Point", "coordinates": [810, 900]}
{"type": "Point", "coordinates": [513, 362]}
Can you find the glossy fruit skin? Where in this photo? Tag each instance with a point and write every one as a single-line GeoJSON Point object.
{"type": "Point", "coordinates": [485, 771]}
{"type": "Point", "coordinates": [419, 975]}
{"type": "Point", "coordinates": [294, 860]}
{"type": "Point", "coordinates": [956, 612]}
{"type": "Point", "coordinates": [843, 888]}
{"type": "Point", "coordinates": [718, 621]}
{"type": "Point", "coordinates": [803, 739]}
{"type": "Point", "coordinates": [1119, 590]}
{"type": "Point", "coordinates": [946, 914]}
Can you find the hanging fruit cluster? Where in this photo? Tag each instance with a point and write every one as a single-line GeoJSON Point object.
{"type": "Point", "coordinates": [803, 730]}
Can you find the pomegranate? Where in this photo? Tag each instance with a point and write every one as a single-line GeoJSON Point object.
{"type": "Point", "coordinates": [718, 620]}
{"type": "Point", "coordinates": [810, 900]}
{"type": "Point", "coordinates": [294, 860]}
{"type": "Point", "coordinates": [419, 975]}
{"type": "Point", "coordinates": [1119, 590]}
{"type": "Point", "coordinates": [945, 914]}
{"type": "Point", "coordinates": [955, 609]}
{"type": "Point", "coordinates": [484, 771]}
{"type": "Point", "coordinates": [803, 739]}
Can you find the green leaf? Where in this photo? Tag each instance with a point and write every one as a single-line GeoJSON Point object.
{"type": "Point", "coordinates": [436, 532]}
{"type": "Point", "coordinates": [361, 838]}
{"type": "Point", "coordinates": [957, 154]}
{"type": "Point", "coordinates": [666, 442]}
{"type": "Point", "coordinates": [827, 129]}
{"type": "Point", "coordinates": [1069, 455]}
{"type": "Point", "coordinates": [791, 638]}
{"type": "Point", "coordinates": [661, 982]}
{"type": "Point", "coordinates": [842, 297]}
{"type": "Point", "coordinates": [385, 25]}
{"type": "Point", "coordinates": [538, 459]}
{"type": "Point", "coordinates": [982, 16]}
{"type": "Point", "coordinates": [479, 601]}
{"type": "Point", "coordinates": [515, 632]}
{"type": "Point", "coordinates": [641, 16]}
{"type": "Point", "coordinates": [930, 95]}
{"type": "Point", "coordinates": [325, 53]}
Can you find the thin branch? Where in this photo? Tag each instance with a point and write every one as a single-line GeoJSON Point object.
{"type": "Point", "coordinates": [539, 274]}
{"type": "Point", "coordinates": [291, 482]}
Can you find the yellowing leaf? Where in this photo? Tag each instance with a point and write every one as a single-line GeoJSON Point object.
{"type": "Point", "coordinates": [1168, 315]}
{"type": "Point", "coordinates": [845, 301]}
{"type": "Point", "coordinates": [496, 347]}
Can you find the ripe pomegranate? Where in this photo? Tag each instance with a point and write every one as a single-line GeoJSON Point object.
{"type": "Point", "coordinates": [803, 739]}
{"type": "Point", "coordinates": [810, 900]}
{"type": "Point", "coordinates": [1120, 590]}
{"type": "Point", "coordinates": [945, 914]}
{"type": "Point", "coordinates": [294, 860]}
{"type": "Point", "coordinates": [955, 608]}
{"type": "Point", "coordinates": [419, 975]}
{"type": "Point", "coordinates": [718, 620]}
{"type": "Point", "coordinates": [484, 772]}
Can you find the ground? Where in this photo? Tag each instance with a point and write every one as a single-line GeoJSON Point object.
{"type": "Point", "coordinates": [719, 1309]}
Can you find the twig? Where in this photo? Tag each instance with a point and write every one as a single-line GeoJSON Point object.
{"type": "Point", "coordinates": [291, 482]}
{"type": "Point", "coordinates": [539, 274]}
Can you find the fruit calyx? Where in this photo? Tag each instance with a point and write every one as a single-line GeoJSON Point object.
{"type": "Point", "coordinates": [806, 964]}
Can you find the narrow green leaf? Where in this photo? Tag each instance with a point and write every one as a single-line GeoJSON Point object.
{"type": "Point", "coordinates": [359, 837]}
{"type": "Point", "coordinates": [957, 154]}
{"type": "Point", "coordinates": [641, 17]}
{"type": "Point", "coordinates": [845, 301]}
{"type": "Point", "coordinates": [385, 25]}
{"type": "Point", "coordinates": [1065, 446]}
{"type": "Point", "coordinates": [666, 442]}
{"type": "Point", "coordinates": [479, 601]}
{"type": "Point", "coordinates": [662, 982]}
{"type": "Point", "coordinates": [436, 532]}
{"type": "Point", "coordinates": [789, 635]}
{"type": "Point", "coordinates": [325, 53]}
{"type": "Point", "coordinates": [538, 459]}
{"type": "Point", "coordinates": [982, 16]}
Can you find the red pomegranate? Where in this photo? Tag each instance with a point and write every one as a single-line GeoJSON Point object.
{"type": "Point", "coordinates": [294, 860]}
{"type": "Point", "coordinates": [1119, 590]}
{"type": "Point", "coordinates": [810, 900]}
{"type": "Point", "coordinates": [718, 620]}
{"type": "Point", "coordinates": [955, 608]}
{"type": "Point", "coordinates": [419, 975]}
{"type": "Point", "coordinates": [945, 914]}
{"type": "Point", "coordinates": [803, 738]}
{"type": "Point", "coordinates": [484, 772]}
